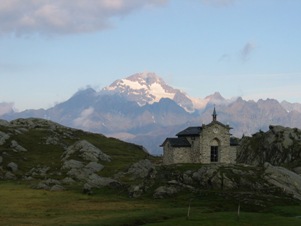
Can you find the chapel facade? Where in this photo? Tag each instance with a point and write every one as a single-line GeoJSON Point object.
{"type": "Point", "coordinates": [211, 143]}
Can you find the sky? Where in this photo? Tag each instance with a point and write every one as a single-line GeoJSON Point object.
{"type": "Point", "coordinates": [50, 49]}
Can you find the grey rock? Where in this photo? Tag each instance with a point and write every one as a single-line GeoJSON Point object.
{"type": "Point", "coordinates": [142, 169]}
{"type": "Point", "coordinates": [4, 123]}
{"type": "Point", "coordinates": [42, 186]}
{"type": "Point", "coordinates": [13, 167]}
{"type": "Point", "coordinates": [96, 181]}
{"type": "Point", "coordinates": [288, 181]}
{"type": "Point", "coordinates": [1, 159]}
{"type": "Point", "coordinates": [38, 171]}
{"type": "Point", "coordinates": [57, 188]}
{"type": "Point", "coordinates": [93, 167]}
{"type": "Point", "coordinates": [3, 137]}
{"type": "Point", "coordinates": [67, 180]}
{"type": "Point", "coordinates": [280, 145]}
{"type": "Point", "coordinates": [17, 147]}
{"type": "Point", "coordinates": [166, 191]}
{"type": "Point", "coordinates": [87, 151]}
{"type": "Point", "coordinates": [52, 140]}
{"type": "Point", "coordinates": [135, 191]}
{"type": "Point", "coordinates": [72, 164]}
{"type": "Point", "coordinates": [10, 176]}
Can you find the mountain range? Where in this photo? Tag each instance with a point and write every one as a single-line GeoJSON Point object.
{"type": "Point", "coordinates": [143, 109]}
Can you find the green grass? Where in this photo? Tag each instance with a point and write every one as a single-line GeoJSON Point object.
{"type": "Point", "coordinates": [21, 205]}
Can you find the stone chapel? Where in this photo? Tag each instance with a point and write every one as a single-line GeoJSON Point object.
{"type": "Point", "coordinates": [210, 143]}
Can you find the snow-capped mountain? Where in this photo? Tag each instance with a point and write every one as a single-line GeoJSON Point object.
{"type": "Point", "coordinates": [148, 88]}
{"type": "Point", "coordinates": [143, 109]}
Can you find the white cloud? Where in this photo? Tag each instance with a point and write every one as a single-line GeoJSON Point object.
{"type": "Point", "coordinates": [64, 16]}
{"type": "Point", "coordinates": [84, 118]}
{"type": "Point", "coordinates": [6, 108]}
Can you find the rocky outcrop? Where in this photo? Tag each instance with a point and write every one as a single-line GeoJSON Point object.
{"type": "Point", "coordinates": [232, 178]}
{"type": "Point", "coordinates": [278, 146]}
{"type": "Point", "coordinates": [142, 169]}
{"type": "Point", "coordinates": [13, 167]}
{"type": "Point", "coordinates": [87, 151]}
{"type": "Point", "coordinates": [16, 147]}
{"type": "Point", "coordinates": [3, 137]}
{"type": "Point", "coordinates": [286, 180]}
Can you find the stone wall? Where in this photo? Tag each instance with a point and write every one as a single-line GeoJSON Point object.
{"type": "Point", "coordinates": [217, 135]}
{"type": "Point", "coordinates": [195, 148]}
{"type": "Point", "coordinates": [173, 155]}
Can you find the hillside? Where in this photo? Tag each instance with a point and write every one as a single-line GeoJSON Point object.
{"type": "Point", "coordinates": [44, 155]}
{"type": "Point", "coordinates": [52, 156]}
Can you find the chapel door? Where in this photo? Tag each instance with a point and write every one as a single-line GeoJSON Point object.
{"type": "Point", "coordinates": [214, 153]}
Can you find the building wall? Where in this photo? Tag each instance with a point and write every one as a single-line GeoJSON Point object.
{"type": "Point", "coordinates": [215, 134]}
{"type": "Point", "coordinates": [167, 154]}
{"type": "Point", "coordinates": [173, 155]}
{"type": "Point", "coordinates": [195, 148]}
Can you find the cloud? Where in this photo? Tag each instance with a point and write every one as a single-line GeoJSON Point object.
{"type": "Point", "coordinates": [246, 51]}
{"type": "Point", "coordinates": [84, 120]}
{"type": "Point", "coordinates": [65, 16]}
{"type": "Point", "coordinates": [6, 108]}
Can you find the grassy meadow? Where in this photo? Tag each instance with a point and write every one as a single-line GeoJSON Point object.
{"type": "Point", "coordinates": [22, 205]}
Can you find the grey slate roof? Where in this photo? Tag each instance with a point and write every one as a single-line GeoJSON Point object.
{"type": "Point", "coordinates": [177, 142]}
{"type": "Point", "coordinates": [190, 131]}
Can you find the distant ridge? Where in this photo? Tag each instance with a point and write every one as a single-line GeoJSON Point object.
{"type": "Point", "coordinates": [143, 109]}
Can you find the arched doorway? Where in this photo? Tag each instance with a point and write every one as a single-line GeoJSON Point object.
{"type": "Point", "coordinates": [214, 154]}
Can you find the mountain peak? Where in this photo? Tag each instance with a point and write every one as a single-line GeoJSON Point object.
{"type": "Point", "coordinates": [146, 78]}
{"type": "Point", "coordinates": [147, 88]}
{"type": "Point", "coordinates": [215, 97]}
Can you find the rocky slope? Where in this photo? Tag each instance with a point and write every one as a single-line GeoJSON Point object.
{"type": "Point", "coordinates": [49, 156]}
{"type": "Point", "coordinates": [278, 146]}
{"type": "Point", "coordinates": [53, 157]}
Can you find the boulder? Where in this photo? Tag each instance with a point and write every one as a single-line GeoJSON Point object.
{"type": "Point", "coordinates": [13, 167]}
{"type": "Point", "coordinates": [72, 164]}
{"type": "Point", "coordinates": [3, 137]}
{"type": "Point", "coordinates": [93, 167]}
{"type": "Point", "coordinates": [10, 176]}
{"type": "Point", "coordinates": [135, 191]}
{"type": "Point", "coordinates": [288, 181]}
{"type": "Point", "coordinates": [67, 180]}
{"type": "Point", "coordinates": [96, 181]}
{"type": "Point", "coordinates": [280, 145]}
{"type": "Point", "coordinates": [87, 151]}
{"type": "Point", "coordinates": [142, 169]}
{"type": "Point", "coordinates": [16, 147]}
{"type": "Point", "coordinates": [38, 171]}
{"type": "Point", "coordinates": [166, 191]}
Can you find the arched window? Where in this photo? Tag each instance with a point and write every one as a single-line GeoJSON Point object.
{"type": "Point", "coordinates": [214, 150]}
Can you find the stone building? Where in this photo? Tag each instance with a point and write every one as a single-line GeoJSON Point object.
{"type": "Point", "coordinates": [210, 143]}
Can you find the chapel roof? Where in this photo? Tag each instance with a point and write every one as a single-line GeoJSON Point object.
{"type": "Point", "coordinates": [190, 131]}
{"type": "Point", "coordinates": [177, 142]}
